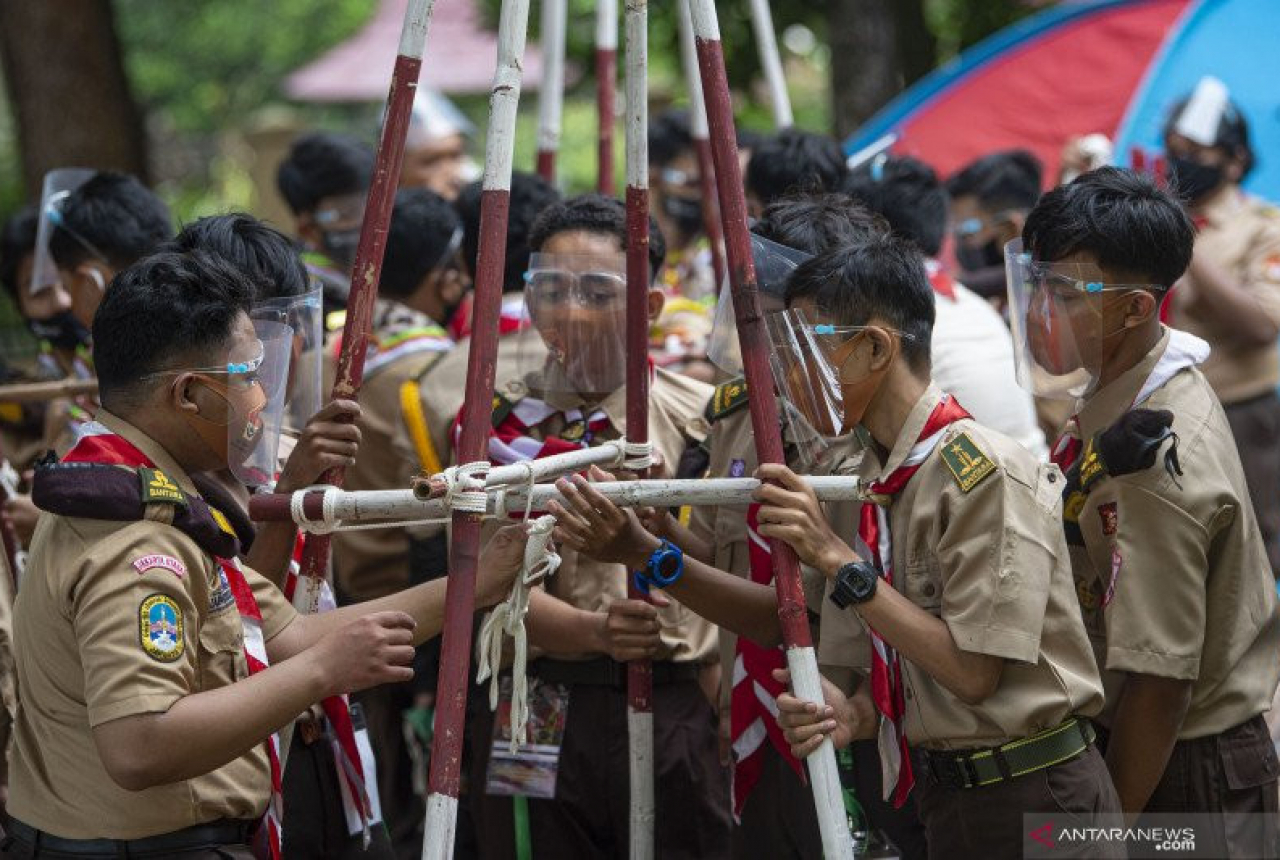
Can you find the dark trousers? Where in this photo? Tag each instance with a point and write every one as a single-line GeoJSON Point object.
{"type": "Point", "coordinates": [902, 826]}
{"type": "Point", "coordinates": [402, 810]}
{"type": "Point", "coordinates": [1229, 773]}
{"type": "Point", "coordinates": [985, 823]}
{"type": "Point", "coordinates": [1256, 425]}
{"type": "Point", "coordinates": [590, 815]}
{"type": "Point", "coordinates": [315, 827]}
{"type": "Point", "coordinates": [779, 819]}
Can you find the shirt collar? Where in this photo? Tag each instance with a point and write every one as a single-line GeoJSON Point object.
{"type": "Point", "coordinates": [555, 391]}
{"type": "Point", "coordinates": [1102, 408]}
{"type": "Point", "coordinates": [909, 435]}
{"type": "Point", "coordinates": [1222, 206]}
{"type": "Point", "coordinates": [150, 448]}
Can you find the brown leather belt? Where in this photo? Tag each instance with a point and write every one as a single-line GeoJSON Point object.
{"type": "Point", "coordinates": [604, 672]}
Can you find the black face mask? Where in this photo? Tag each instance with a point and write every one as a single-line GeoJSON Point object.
{"type": "Point", "coordinates": [340, 246]}
{"type": "Point", "coordinates": [983, 257]}
{"type": "Point", "coordinates": [686, 212]}
{"type": "Point", "coordinates": [61, 331]}
{"type": "Point", "coordinates": [1191, 179]}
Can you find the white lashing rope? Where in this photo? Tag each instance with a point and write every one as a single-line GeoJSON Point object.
{"type": "Point", "coordinates": [637, 456]}
{"type": "Point", "coordinates": [328, 521]}
{"type": "Point", "coordinates": [466, 487]}
{"type": "Point", "coordinates": [540, 561]}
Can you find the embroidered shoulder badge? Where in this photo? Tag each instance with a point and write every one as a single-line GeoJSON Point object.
{"type": "Point", "coordinates": [160, 628]}
{"type": "Point", "coordinates": [165, 562]}
{"type": "Point", "coordinates": [967, 463]}
{"type": "Point", "coordinates": [728, 398]}
{"type": "Point", "coordinates": [157, 487]}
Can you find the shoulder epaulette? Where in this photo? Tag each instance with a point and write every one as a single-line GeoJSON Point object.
{"type": "Point", "coordinates": [728, 398]}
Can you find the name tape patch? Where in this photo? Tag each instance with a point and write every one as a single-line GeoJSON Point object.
{"type": "Point", "coordinates": [167, 562]}
{"type": "Point", "coordinates": [160, 628]}
{"type": "Point", "coordinates": [157, 487]}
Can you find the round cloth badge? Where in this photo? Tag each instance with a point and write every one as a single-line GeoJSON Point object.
{"type": "Point", "coordinates": [160, 628]}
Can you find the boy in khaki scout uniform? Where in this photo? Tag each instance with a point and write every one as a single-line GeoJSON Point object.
{"type": "Point", "coordinates": [140, 645]}
{"type": "Point", "coordinates": [979, 679]}
{"type": "Point", "coordinates": [1170, 567]}
{"type": "Point", "coordinates": [1230, 295]}
{"type": "Point", "coordinates": [582, 624]}
{"type": "Point", "coordinates": [423, 281]}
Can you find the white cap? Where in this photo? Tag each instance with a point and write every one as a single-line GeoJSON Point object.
{"type": "Point", "coordinates": [1201, 117]}
{"type": "Point", "coordinates": [434, 118]}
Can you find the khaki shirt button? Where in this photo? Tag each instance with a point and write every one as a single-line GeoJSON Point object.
{"type": "Point", "coordinates": [930, 589]}
{"type": "Point", "coordinates": [1052, 476]}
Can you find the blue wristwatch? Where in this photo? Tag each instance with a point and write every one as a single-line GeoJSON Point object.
{"type": "Point", "coordinates": [664, 567]}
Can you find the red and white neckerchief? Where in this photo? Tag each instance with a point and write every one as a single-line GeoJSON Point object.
{"type": "Point", "coordinates": [100, 445]}
{"type": "Point", "coordinates": [753, 709]}
{"type": "Point", "coordinates": [940, 279]}
{"type": "Point", "coordinates": [1182, 351]}
{"type": "Point", "coordinates": [887, 687]}
{"type": "Point", "coordinates": [337, 710]}
{"type": "Point", "coordinates": [513, 317]}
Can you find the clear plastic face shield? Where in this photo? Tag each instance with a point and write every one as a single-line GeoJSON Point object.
{"type": "Point", "coordinates": [774, 264]}
{"type": "Point", "coordinates": [1064, 318]}
{"type": "Point", "coordinates": [578, 307]}
{"type": "Point", "coordinates": [58, 186]}
{"type": "Point", "coordinates": [823, 376]}
{"type": "Point", "coordinates": [304, 314]}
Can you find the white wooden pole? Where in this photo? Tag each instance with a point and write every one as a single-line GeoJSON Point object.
{"type": "Point", "coordinates": [551, 93]}
{"type": "Point", "coordinates": [771, 63]}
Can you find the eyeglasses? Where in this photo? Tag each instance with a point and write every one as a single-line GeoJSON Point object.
{"type": "Point", "coordinates": [973, 226]}
{"type": "Point", "coordinates": [246, 371]}
{"type": "Point", "coordinates": [1067, 280]}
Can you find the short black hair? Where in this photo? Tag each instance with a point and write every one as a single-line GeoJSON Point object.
{"type": "Point", "coordinates": [17, 241]}
{"type": "Point", "coordinates": [422, 225]}
{"type": "Point", "coordinates": [669, 136]}
{"type": "Point", "coordinates": [817, 223]}
{"type": "Point", "coordinates": [261, 252]}
{"type": "Point", "coordinates": [1011, 179]}
{"type": "Point", "coordinates": [530, 194]}
{"type": "Point", "coordinates": [1121, 217]}
{"type": "Point", "coordinates": [595, 213]}
{"type": "Point", "coordinates": [793, 160]}
{"type": "Point", "coordinates": [881, 277]}
{"type": "Point", "coordinates": [323, 164]}
{"type": "Point", "coordinates": [908, 193]}
{"type": "Point", "coordinates": [115, 213]}
{"type": "Point", "coordinates": [166, 309]}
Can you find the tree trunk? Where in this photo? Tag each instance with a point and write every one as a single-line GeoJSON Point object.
{"type": "Point", "coordinates": [65, 79]}
{"type": "Point", "coordinates": [877, 47]}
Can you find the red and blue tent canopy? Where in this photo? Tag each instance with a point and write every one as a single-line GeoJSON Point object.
{"type": "Point", "coordinates": [1109, 66]}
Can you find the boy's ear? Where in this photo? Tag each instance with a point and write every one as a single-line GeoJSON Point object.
{"type": "Point", "coordinates": [657, 301]}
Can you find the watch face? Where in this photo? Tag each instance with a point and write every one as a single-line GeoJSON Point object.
{"type": "Point", "coordinates": [864, 581]}
{"type": "Point", "coordinates": [668, 565]}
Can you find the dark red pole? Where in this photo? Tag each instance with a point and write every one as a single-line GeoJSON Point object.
{"type": "Point", "coordinates": [367, 270]}
{"type": "Point", "coordinates": [702, 146]}
{"type": "Point", "coordinates": [606, 86]}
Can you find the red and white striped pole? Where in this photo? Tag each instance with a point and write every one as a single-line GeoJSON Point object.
{"type": "Point", "coordinates": [606, 88]}
{"type": "Point", "coordinates": [702, 146]}
{"type": "Point", "coordinates": [367, 270]}
{"type": "Point", "coordinates": [639, 672]}
{"type": "Point", "coordinates": [464, 549]}
{"type": "Point", "coordinates": [771, 63]}
{"type": "Point", "coordinates": [792, 613]}
{"type": "Point", "coordinates": [551, 94]}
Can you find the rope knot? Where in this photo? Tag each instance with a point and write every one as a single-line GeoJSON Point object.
{"type": "Point", "coordinates": [328, 521]}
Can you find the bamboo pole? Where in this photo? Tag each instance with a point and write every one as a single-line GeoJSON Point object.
{"type": "Point", "coordinates": [367, 270]}
{"type": "Point", "coordinates": [40, 392]}
{"type": "Point", "coordinates": [792, 613]}
{"type": "Point", "coordinates": [702, 146]}
{"type": "Point", "coordinates": [367, 506]}
{"type": "Point", "coordinates": [606, 87]}
{"type": "Point", "coordinates": [551, 94]}
{"type": "Point", "coordinates": [771, 63]}
{"type": "Point", "coordinates": [639, 672]}
{"type": "Point", "coordinates": [460, 597]}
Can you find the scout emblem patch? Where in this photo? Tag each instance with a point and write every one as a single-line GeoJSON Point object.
{"type": "Point", "coordinates": [574, 431]}
{"type": "Point", "coordinates": [1110, 517]}
{"type": "Point", "coordinates": [160, 628]}
{"type": "Point", "coordinates": [1087, 594]}
{"type": "Point", "coordinates": [737, 469]}
{"type": "Point", "coordinates": [967, 463]}
{"type": "Point", "coordinates": [166, 562]}
{"type": "Point", "coordinates": [156, 487]}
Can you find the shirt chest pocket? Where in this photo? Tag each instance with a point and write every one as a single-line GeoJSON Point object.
{"type": "Point", "coordinates": [923, 583]}
{"type": "Point", "coordinates": [222, 650]}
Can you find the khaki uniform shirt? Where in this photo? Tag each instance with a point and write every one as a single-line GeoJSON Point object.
{"type": "Point", "coordinates": [1192, 593]}
{"type": "Point", "coordinates": [1242, 235]}
{"type": "Point", "coordinates": [593, 586]}
{"type": "Point", "coordinates": [991, 562]}
{"type": "Point", "coordinates": [81, 662]}
{"type": "Point", "coordinates": [375, 563]}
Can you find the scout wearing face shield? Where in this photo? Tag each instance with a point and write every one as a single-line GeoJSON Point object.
{"type": "Point", "coordinates": [1065, 321]}
{"type": "Point", "coordinates": [304, 314]}
{"type": "Point", "coordinates": [578, 305]}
